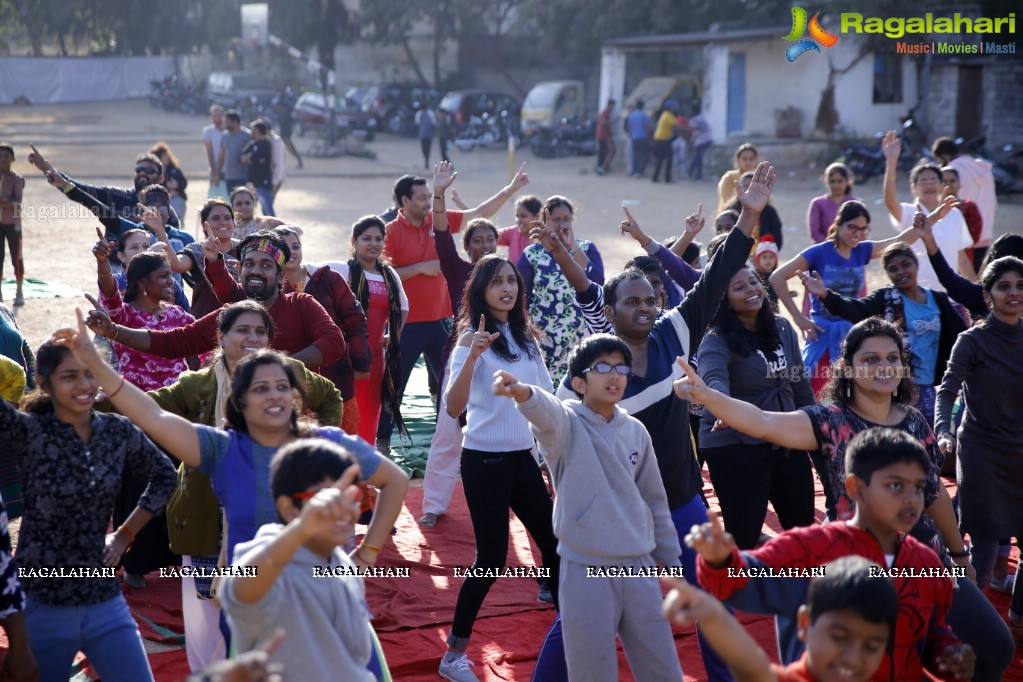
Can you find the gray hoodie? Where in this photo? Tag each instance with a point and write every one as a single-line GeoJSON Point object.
{"type": "Point", "coordinates": [326, 618]}
{"type": "Point", "coordinates": [610, 504]}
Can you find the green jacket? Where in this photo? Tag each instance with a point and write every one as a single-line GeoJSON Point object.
{"type": "Point", "coordinates": [192, 396]}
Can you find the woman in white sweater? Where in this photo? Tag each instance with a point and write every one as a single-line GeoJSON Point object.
{"type": "Point", "coordinates": [498, 469]}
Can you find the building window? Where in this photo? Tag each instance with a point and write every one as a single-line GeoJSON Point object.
{"type": "Point", "coordinates": [887, 78]}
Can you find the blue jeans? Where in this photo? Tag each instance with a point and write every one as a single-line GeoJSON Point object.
{"type": "Point", "coordinates": [266, 200]}
{"type": "Point", "coordinates": [104, 632]}
{"type": "Point", "coordinates": [696, 165]}
{"type": "Point", "coordinates": [550, 664]}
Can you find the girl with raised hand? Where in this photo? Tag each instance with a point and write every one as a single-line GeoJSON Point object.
{"type": "Point", "coordinates": [840, 262]}
{"type": "Point", "coordinates": [71, 459]}
{"type": "Point", "coordinates": [498, 469]}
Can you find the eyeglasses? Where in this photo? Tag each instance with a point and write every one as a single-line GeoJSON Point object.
{"type": "Point", "coordinates": [148, 170]}
{"type": "Point", "coordinates": [927, 181]}
{"type": "Point", "coordinates": [607, 368]}
{"type": "Point", "coordinates": [865, 230]}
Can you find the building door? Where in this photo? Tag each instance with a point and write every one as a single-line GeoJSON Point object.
{"type": "Point", "coordinates": [970, 102]}
{"type": "Point", "coordinates": [736, 91]}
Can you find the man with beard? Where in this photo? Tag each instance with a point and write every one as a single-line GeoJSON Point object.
{"type": "Point", "coordinates": [304, 329]}
{"type": "Point", "coordinates": [121, 201]}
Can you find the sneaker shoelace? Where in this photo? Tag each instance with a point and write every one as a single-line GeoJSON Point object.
{"type": "Point", "coordinates": [462, 663]}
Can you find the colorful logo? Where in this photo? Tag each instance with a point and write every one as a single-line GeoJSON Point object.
{"type": "Point", "coordinates": [819, 37]}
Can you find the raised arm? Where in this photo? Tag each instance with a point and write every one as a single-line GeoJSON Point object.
{"type": "Point", "coordinates": [688, 605]}
{"type": "Point", "coordinates": [492, 205]}
{"type": "Point", "coordinates": [779, 282]}
{"type": "Point", "coordinates": [226, 287]}
{"type": "Point", "coordinates": [891, 145]}
{"type": "Point", "coordinates": [105, 276]}
{"type": "Point", "coordinates": [175, 434]}
{"type": "Point", "coordinates": [788, 429]}
{"type": "Point", "coordinates": [471, 345]}
{"type": "Point", "coordinates": [852, 309]}
{"type": "Point", "coordinates": [570, 267]}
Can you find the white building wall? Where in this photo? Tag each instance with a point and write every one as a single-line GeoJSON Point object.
{"type": "Point", "coordinates": [772, 83]}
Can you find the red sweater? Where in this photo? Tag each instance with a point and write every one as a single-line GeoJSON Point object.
{"type": "Point", "coordinates": [300, 321]}
{"type": "Point", "coordinates": [333, 293]}
{"type": "Point", "coordinates": [921, 634]}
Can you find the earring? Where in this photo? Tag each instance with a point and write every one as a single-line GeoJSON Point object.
{"type": "Point", "coordinates": [848, 390]}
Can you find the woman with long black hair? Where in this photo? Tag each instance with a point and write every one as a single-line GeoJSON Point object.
{"type": "Point", "coordinates": [499, 473]}
{"type": "Point", "coordinates": [753, 355]}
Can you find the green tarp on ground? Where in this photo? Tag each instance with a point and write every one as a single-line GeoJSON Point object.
{"type": "Point", "coordinates": [420, 417]}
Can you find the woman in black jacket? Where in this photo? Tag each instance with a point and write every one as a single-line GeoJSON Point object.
{"type": "Point", "coordinates": [926, 318]}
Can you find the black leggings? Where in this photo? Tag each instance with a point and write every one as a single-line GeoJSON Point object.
{"type": "Point", "coordinates": [12, 234]}
{"type": "Point", "coordinates": [494, 482]}
{"type": "Point", "coordinates": [747, 477]}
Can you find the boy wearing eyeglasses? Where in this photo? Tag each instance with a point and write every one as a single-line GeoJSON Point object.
{"type": "Point", "coordinates": [611, 517]}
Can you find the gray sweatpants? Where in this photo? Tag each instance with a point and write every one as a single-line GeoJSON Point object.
{"type": "Point", "coordinates": [594, 610]}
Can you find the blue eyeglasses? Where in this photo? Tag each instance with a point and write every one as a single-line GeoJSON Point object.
{"type": "Point", "coordinates": [607, 368]}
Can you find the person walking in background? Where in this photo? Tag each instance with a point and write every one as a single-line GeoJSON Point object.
{"type": "Point", "coordinates": [745, 161]}
{"type": "Point", "coordinates": [426, 122]}
{"type": "Point", "coordinates": [445, 133]}
{"type": "Point", "coordinates": [232, 142]}
{"type": "Point", "coordinates": [11, 187]}
{"type": "Point", "coordinates": [211, 135]}
{"type": "Point", "coordinates": [605, 138]}
{"type": "Point", "coordinates": [636, 125]}
{"type": "Point", "coordinates": [664, 133]}
{"type": "Point", "coordinates": [702, 139]}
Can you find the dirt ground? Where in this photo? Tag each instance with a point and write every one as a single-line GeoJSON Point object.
{"type": "Point", "coordinates": [97, 143]}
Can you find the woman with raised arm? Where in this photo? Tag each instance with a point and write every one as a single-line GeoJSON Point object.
{"type": "Point", "coordinates": [927, 320]}
{"type": "Point", "coordinates": [261, 415]}
{"type": "Point", "coordinates": [71, 460]}
{"type": "Point", "coordinates": [217, 218]}
{"type": "Point", "coordinates": [498, 470]}
{"type": "Point", "coordinates": [194, 514]}
{"type": "Point", "coordinates": [949, 228]}
{"type": "Point", "coordinates": [985, 366]}
{"type": "Point", "coordinates": [840, 263]}
{"type": "Point", "coordinates": [871, 386]}
{"type": "Point", "coordinates": [550, 297]}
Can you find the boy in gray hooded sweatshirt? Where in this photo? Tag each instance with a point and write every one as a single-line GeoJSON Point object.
{"type": "Point", "coordinates": [611, 516]}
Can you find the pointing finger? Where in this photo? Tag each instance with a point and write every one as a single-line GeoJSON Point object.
{"type": "Point", "coordinates": [483, 323]}
{"type": "Point", "coordinates": [99, 233]}
{"type": "Point", "coordinates": [93, 301]}
{"type": "Point", "coordinates": [628, 214]}
{"type": "Point", "coordinates": [699, 210]}
{"type": "Point", "coordinates": [349, 477]}
{"type": "Point", "coordinates": [690, 372]}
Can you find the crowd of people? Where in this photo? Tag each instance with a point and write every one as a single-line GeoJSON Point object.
{"type": "Point", "coordinates": [243, 431]}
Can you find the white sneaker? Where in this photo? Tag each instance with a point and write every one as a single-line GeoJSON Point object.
{"type": "Point", "coordinates": [1003, 584]}
{"type": "Point", "coordinates": [457, 669]}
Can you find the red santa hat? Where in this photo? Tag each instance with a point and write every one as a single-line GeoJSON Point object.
{"type": "Point", "coordinates": [765, 245]}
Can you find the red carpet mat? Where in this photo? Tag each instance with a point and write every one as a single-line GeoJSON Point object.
{"type": "Point", "coordinates": [413, 615]}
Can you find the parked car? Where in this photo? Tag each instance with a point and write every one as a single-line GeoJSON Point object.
{"type": "Point", "coordinates": [394, 105]}
{"type": "Point", "coordinates": [235, 89]}
{"type": "Point", "coordinates": [549, 102]}
{"type": "Point", "coordinates": [465, 104]}
{"type": "Point", "coordinates": [311, 113]}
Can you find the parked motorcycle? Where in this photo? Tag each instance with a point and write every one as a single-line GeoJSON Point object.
{"type": "Point", "coordinates": [485, 130]}
{"type": "Point", "coordinates": [571, 137]}
{"type": "Point", "coordinates": [867, 161]}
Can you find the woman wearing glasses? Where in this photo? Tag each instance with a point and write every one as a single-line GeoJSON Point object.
{"type": "Point", "coordinates": [839, 262]}
{"type": "Point", "coordinates": [751, 354]}
{"type": "Point", "coordinates": [498, 469]}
